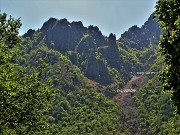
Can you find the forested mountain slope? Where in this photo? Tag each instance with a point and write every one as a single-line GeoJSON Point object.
{"type": "Point", "coordinates": [102, 59]}
{"type": "Point", "coordinates": [79, 106]}
{"type": "Point", "coordinates": [86, 69]}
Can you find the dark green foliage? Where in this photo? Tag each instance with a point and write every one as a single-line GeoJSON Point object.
{"type": "Point", "coordinates": [23, 97]}
{"type": "Point", "coordinates": [156, 110]}
{"type": "Point", "coordinates": [78, 108]}
{"type": "Point", "coordinates": [169, 18]}
{"type": "Point", "coordinates": [85, 68]}
{"type": "Point", "coordinates": [85, 111]}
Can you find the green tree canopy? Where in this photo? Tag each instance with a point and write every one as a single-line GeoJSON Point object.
{"type": "Point", "coordinates": [23, 98]}
{"type": "Point", "coordinates": [168, 13]}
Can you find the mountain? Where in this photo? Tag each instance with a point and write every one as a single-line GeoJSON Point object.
{"type": "Point", "coordinates": [88, 70]}
{"type": "Point", "coordinates": [140, 38]}
{"type": "Point", "coordinates": [80, 105]}
{"type": "Point", "coordinates": [99, 57]}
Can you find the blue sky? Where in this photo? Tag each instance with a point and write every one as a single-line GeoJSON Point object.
{"type": "Point", "coordinates": [111, 16]}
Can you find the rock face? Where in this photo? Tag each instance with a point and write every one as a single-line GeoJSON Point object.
{"type": "Point", "coordinates": [96, 70]}
{"type": "Point", "coordinates": [29, 33]}
{"type": "Point", "coordinates": [112, 39]}
{"type": "Point", "coordinates": [99, 57]}
{"type": "Point", "coordinates": [63, 34]}
{"type": "Point", "coordinates": [140, 38]}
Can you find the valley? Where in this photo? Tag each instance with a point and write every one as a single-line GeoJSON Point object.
{"type": "Point", "coordinates": [74, 80]}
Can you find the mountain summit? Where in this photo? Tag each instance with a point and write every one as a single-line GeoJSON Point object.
{"type": "Point", "coordinates": [90, 70]}
{"type": "Point", "coordinates": [99, 57]}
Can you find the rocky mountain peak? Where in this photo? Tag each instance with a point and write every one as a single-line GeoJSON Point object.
{"type": "Point", "coordinates": [49, 24]}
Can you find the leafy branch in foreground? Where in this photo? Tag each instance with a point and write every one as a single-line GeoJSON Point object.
{"type": "Point", "coordinates": [168, 15]}
{"type": "Point", "coordinates": [23, 97]}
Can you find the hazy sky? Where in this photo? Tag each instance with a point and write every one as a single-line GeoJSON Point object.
{"type": "Point", "coordinates": [111, 16]}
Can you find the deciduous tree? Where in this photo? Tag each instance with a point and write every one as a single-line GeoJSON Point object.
{"type": "Point", "coordinates": [168, 13]}
{"type": "Point", "coordinates": [23, 97]}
